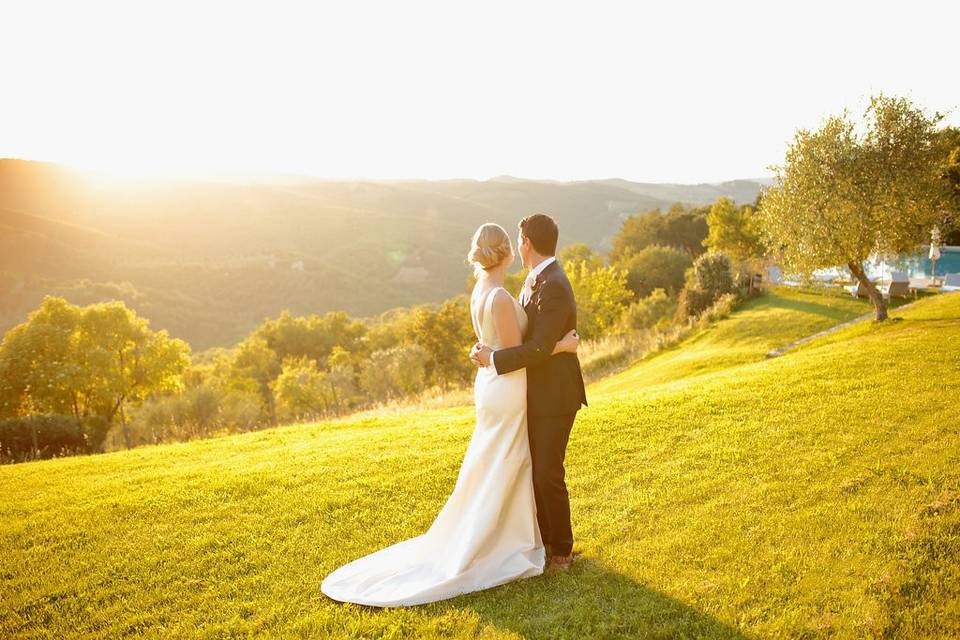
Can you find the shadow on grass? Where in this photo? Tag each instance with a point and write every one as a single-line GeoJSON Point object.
{"type": "Point", "coordinates": [806, 306]}
{"type": "Point", "coordinates": [589, 601]}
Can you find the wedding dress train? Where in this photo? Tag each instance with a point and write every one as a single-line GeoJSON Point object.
{"type": "Point", "coordinates": [486, 534]}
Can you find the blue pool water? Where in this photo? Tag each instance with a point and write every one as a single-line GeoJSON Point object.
{"type": "Point", "coordinates": [919, 266]}
{"type": "Point", "coordinates": [916, 266]}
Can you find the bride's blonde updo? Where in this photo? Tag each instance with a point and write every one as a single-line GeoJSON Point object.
{"type": "Point", "coordinates": [490, 246]}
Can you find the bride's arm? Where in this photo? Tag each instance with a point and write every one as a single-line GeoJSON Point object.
{"type": "Point", "coordinates": [505, 320]}
{"type": "Point", "coordinates": [568, 343]}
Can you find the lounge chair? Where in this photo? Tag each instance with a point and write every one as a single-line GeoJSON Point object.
{"type": "Point", "coordinates": [857, 290]}
{"type": "Point", "coordinates": [951, 282]}
{"type": "Point", "coordinates": [899, 286]}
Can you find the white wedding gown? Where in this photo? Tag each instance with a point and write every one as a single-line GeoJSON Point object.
{"type": "Point", "coordinates": [486, 534]}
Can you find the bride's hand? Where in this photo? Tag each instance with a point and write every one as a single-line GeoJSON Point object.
{"type": "Point", "coordinates": [569, 343]}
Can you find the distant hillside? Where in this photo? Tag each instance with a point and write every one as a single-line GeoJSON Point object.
{"type": "Point", "coordinates": [210, 260]}
{"type": "Point", "coordinates": [741, 191]}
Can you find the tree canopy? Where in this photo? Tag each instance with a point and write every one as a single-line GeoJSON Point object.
{"type": "Point", "coordinates": [852, 190]}
{"type": "Point", "coordinates": [680, 227]}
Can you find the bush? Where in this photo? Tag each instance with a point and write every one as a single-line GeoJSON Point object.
{"type": "Point", "coordinates": [40, 437]}
{"type": "Point", "coordinates": [714, 274]}
{"type": "Point", "coordinates": [242, 411]}
{"type": "Point", "coordinates": [394, 373]}
{"type": "Point", "coordinates": [154, 421]}
{"type": "Point", "coordinates": [202, 405]}
{"type": "Point", "coordinates": [720, 309]}
{"type": "Point", "coordinates": [200, 411]}
{"type": "Point", "coordinates": [692, 302]}
{"type": "Point", "coordinates": [710, 278]}
{"type": "Point", "coordinates": [646, 313]}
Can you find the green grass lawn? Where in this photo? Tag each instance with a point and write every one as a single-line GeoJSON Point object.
{"type": "Point", "coordinates": [759, 326]}
{"type": "Point", "coordinates": [715, 493]}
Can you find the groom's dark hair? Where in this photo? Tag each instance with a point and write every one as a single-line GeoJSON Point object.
{"type": "Point", "coordinates": [542, 231]}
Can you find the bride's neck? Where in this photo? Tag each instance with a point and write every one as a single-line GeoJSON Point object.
{"type": "Point", "coordinates": [495, 277]}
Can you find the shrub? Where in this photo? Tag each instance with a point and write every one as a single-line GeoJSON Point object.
{"type": "Point", "coordinates": [394, 373]}
{"type": "Point", "coordinates": [647, 312]}
{"type": "Point", "coordinates": [692, 302]}
{"type": "Point", "coordinates": [40, 437]}
{"type": "Point", "coordinates": [201, 411]}
{"type": "Point", "coordinates": [710, 278]}
{"type": "Point", "coordinates": [242, 411]}
{"type": "Point", "coordinates": [720, 309]}
{"type": "Point", "coordinates": [713, 274]}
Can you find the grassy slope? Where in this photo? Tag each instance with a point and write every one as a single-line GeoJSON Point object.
{"type": "Point", "coordinates": [715, 493]}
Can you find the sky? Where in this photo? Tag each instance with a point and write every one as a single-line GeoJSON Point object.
{"type": "Point", "coordinates": [662, 92]}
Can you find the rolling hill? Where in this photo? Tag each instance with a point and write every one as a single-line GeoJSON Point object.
{"type": "Point", "coordinates": [208, 261]}
{"type": "Point", "coordinates": [716, 494]}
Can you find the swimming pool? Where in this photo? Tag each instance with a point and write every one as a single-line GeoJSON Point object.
{"type": "Point", "coordinates": [916, 266]}
{"type": "Point", "coordinates": [919, 265]}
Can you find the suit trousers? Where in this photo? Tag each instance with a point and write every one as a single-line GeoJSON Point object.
{"type": "Point", "coordinates": [548, 445]}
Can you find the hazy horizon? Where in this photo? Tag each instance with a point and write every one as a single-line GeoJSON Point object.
{"type": "Point", "coordinates": [266, 176]}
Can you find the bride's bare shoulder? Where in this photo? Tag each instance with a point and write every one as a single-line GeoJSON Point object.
{"type": "Point", "coordinates": [502, 298]}
{"type": "Point", "coordinates": [506, 306]}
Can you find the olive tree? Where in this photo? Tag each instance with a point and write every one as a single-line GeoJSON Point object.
{"type": "Point", "coordinates": [849, 191]}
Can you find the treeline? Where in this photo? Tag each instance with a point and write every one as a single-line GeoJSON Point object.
{"type": "Point", "coordinates": [84, 379]}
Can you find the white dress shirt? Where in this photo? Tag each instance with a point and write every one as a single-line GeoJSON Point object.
{"type": "Point", "coordinates": [527, 290]}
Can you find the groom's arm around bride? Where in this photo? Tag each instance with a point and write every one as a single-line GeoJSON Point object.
{"type": "Point", "coordinates": [555, 382]}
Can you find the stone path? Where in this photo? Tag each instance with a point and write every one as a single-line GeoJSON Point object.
{"type": "Point", "coordinates": [793, 345]}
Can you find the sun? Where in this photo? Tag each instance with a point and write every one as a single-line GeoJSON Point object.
{"type": "Point", "coordinates": [131, 170]}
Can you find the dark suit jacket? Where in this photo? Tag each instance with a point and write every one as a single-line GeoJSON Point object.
{"type": "Point", "coordinates": [554, 383]}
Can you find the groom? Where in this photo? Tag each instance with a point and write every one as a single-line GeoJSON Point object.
{"type": "Point", "coordinates": [555, 388]}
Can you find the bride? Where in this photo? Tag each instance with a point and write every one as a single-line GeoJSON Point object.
{"type": "Point", "coordinates": [486, 534]}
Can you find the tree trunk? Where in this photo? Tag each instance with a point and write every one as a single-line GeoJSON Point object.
{"type": "Point", "coordinates": [76, 416]}
{"type": "Point", "coordinates": [271, 402]}
{"type": "Point", "coordinates": [272, 407]}
{"type": "Point", "coordinates": [336, 399]}
{"type": "Point", "coordinates": [123, 425]}
{"type": "Point", "coordinates": [875, 296]}
{"type": "Point", "coordinates": [36, 445]}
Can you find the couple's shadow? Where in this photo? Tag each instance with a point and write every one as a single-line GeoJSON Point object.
{"type": "Point", "coordinates": [588, 601]}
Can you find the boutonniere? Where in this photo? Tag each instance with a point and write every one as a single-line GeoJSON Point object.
{"type": "Point", "coordinates": [536, 283]}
